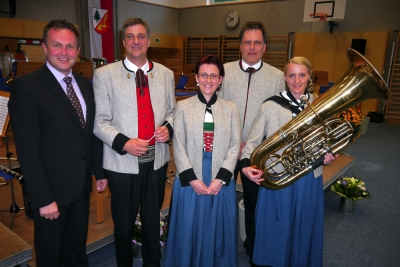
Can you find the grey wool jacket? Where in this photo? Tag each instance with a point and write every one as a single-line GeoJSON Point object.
{"type": "Point", "coordinates": [270, 119]}
{"type": "Point", "coordinates": [265, 82]}
{"type": "Point", "coordinates": [188, 139]}
{"type": "Point", "coordinates": [117, 115]}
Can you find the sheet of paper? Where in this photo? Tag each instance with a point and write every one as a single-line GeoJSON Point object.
{"type": "Point", "coordinates": [3, 111]}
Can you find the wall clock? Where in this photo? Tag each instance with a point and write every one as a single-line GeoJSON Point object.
{"type": "Point", "coordinates": [232, 19]}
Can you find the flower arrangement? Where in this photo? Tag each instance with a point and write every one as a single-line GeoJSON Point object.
{"type": "Point", "coordinates": [352, 188]}
{"type": "Point", "coordinates": [137, 231]}
{"type": "Point", "coordinates": [354, 117]}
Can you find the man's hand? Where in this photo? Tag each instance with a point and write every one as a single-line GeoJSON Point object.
{"type": "Point", "coordinates": [101, 184]}
{"type": "Point", "coordinates": [253, 174]}
{"type": "Point", "coordinates": [50, 211]}
{"type": "Point", "coordinates": [199, 187]}
{"type": "Point", "coordinates": [136, 147]}
{"type": "Point", "coordinates": [161, 134]}
{"type": "Point", "coordinates": [329, 158]}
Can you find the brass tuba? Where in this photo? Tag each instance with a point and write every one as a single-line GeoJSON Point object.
{"type": "Point", "coordinates": [299, 146]}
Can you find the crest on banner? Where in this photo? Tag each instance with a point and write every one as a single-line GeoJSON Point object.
{"type": "Point", "coordinates": [100, 20]}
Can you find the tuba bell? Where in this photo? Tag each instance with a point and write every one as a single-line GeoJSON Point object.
{"type": "Point", "coordinates": [299, 146]}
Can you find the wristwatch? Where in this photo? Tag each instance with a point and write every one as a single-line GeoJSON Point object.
{"type": "Point", "coordinates": [223, 182]}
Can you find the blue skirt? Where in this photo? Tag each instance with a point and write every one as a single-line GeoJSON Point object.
{"type": "Point", "coordinates": [290, 224]}
{"type": "Point", "coordinates": [202, 229]}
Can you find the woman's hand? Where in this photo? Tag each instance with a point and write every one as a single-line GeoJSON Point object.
{"type": "Point", "coordinates": [199, 187]}
{"type": "Point", "coordinates": [253, 174]}
{"type": "Point", "coordinates": [215, 187]}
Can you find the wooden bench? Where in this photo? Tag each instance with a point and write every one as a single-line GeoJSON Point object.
{"type": "Point", "coordinates": [13, 250]}
{"type": "Point", "coordinates": [336, 169]}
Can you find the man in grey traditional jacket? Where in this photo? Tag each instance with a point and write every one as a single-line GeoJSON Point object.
{"type": "Point", "coordinates": [135, 98]}
{"type": "Point", "coordinates": [249, 82]}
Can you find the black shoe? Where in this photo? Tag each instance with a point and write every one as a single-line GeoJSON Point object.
{"type": "Point", "coordinates": [252, 264]}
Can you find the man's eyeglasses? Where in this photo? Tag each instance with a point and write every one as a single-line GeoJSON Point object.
{"type": "Point", "coordinates": [204, 76]}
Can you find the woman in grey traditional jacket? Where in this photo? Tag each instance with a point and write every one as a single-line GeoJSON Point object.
{"type": "Point", "coordinates": [289, 221]}
{"type": "Point", "coordinates": [202, 229]}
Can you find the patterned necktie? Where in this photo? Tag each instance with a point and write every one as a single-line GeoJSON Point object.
{"type": "Point", "coordinates": [74, 99]}
{"type": "Point", "coordinates": [141, 80]}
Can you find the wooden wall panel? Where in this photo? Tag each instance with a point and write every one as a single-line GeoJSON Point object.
{"type": "Point", "coordinates": [167, 47]}
{"type": "Point", "coordinates": [34, 29]}
{"type": "Point", "coordinates": [376, 42]}
{"type": "Point", "coordinates": [328, 52]}
{"type": "Point", "coordinates": [11, 27]}
{"type": "Point", "coordinates": [325, 53]}
{"type": "Point", "coordinates": [18, 28]}
{"type": "Point", "coordinates": [343, 42]}
{"type": "Point", "coordinates": [304, 45]}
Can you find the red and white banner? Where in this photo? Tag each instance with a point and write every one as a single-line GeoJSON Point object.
{"type": "Point", "coordinates": [101, 29]}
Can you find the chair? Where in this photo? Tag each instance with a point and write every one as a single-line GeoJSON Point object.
{"type": "Point", "coordinates": [177, 76]}
{"type": "Point", "coordinates": [181, 83]}
{"type": "Point", "coordinates": [323, 88]}
{"type": "Point", "coordinates": [99, 203]}
{"type": "Point", "coordinates": [191, 85]}
{"type": "Point", "coordinates": [187, 85]}
{"type": "Point", "coordinates": [99, 200]}
{"type": "Point", "coordinates": [319, 78]}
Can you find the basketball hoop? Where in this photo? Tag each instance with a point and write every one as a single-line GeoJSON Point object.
{"type": "Point", "coordinates": [318, 21]}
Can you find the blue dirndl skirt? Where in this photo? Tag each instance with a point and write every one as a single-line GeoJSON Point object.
{"type": "Point", "coordinates": [290, 224]}
{"type": "Point", "coordinates": [202, 229]}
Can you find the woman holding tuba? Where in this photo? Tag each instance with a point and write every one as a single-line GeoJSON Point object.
{"type": "Point", "coordinates": [289, 221]}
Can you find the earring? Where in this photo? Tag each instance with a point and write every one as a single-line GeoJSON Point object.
{"type": "Point", "coordinates": [197, 84]}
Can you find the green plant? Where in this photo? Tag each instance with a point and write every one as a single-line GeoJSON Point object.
{"type": "Point", "coordinates": [350, 187]}
{"type": "Point", "coordinates": [137, 231]}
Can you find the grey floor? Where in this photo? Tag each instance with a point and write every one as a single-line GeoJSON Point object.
{"type": "Point", "coordinates": [369, 238]}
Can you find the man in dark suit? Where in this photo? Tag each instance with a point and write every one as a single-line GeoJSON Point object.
{"type": "Point", "coordinates": [52, 120]}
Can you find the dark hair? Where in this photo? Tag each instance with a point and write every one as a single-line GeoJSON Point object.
{"type": "Point", "coordinates": [253, 25]}
{"type": "Point", "coordinates": [59, 24]}
{"type": "Point", "coordinates": [305, 62]}
{"type": "Point", "coordinates": [210, 59]}
{"type": "Point", "coordinates": [132, 22]}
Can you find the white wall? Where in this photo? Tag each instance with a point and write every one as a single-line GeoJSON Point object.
{"type": "Point", "coordinates": [167, 3]}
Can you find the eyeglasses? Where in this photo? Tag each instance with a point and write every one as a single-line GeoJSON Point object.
{"type": "Point", "coordinates": [204, 76]}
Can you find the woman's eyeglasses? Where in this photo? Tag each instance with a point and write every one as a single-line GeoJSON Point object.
{"type": "Point", "coordinates": [204, 76]}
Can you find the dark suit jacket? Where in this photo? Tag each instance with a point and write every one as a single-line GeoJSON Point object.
{"type": "Point", "coordinates": [56, 155]}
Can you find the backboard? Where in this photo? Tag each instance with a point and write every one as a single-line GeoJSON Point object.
{"type": "Point", "coordinates": [334, 8]}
